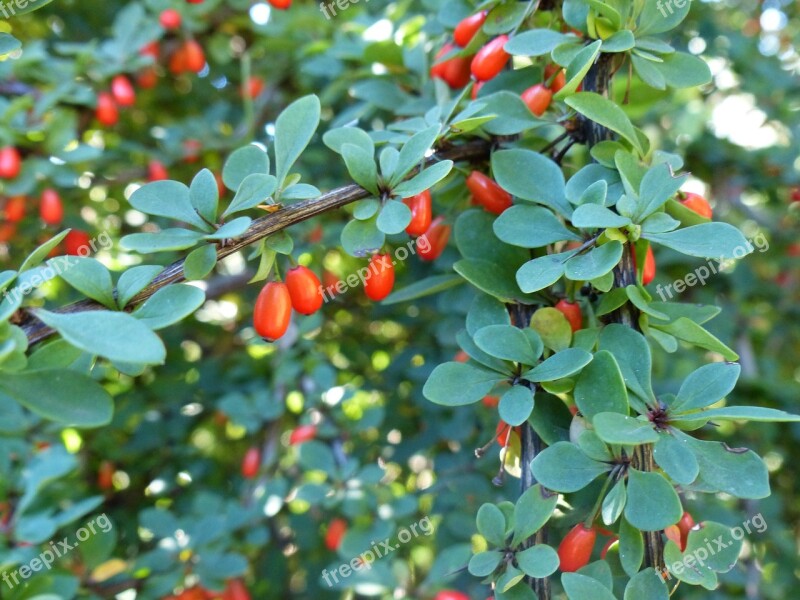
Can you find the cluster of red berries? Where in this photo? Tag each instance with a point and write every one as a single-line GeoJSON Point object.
{"type": "Point", "coordinates": [108, 102]}
{"type": "Point", "coordinates": [235, 589]}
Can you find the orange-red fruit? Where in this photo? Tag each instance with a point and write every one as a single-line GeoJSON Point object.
{"type": "Point", "coordinates": [490, 59]}
{"type": "Point", "coordinates": [15, 209]}
{"type": "Point", "coordinates": [476, 89]}
{"type": "Point", "coordinates": [147, 78]}
{"type": "Point", "coordinates": [251, 462]}
{"type": "Point", "coordinates": [451, 595]}
{"type": "Point", "coordinates": [280, 4]}
{"type": "Point", "coordinates": [7, 232]}
{"type": "Point", "coordinates": [51, 209]}
{"type": "Point", "coordinates": [122, 91]}
{"type": "Point", "coordinates": [649, 271]}
{"type": "Point", "coordinates": [461, 356]}
{"type": "Point", "coordinates": [502, 434]}
{"type": "Point", "coordinates": [537, 98]}
{"type": "Point", "coordinates": [490, 195]}
{"type": "Point", "coordinates": [170, 18]}
{"type": "Point", "coordinates": [156, 171]}
{"type": "Point", "coordinates": [381, 277]}
{"type": "Point", "coordinates": [301, 434]}
{"type": "Point", "coordinates": [698, 204]}
{"type": "Point", "coordinates": [188, 57]}
{"type": "Point", "coordinates": [468, 27]}
{"type": "Point", "coordinates": [490, 401]}
{"type": "Point", "coordinates": [796, 194]}
{"type": "Point", "coordinates": [273, 311]}
{"type": "Point", "coordinates": [335, 533]}
{"type": "Point", "coordinates": [255, 85]}
{"type": "Point", "coordinates": [674, 534]}
{"type": "Point", "coordinates": [235, 590]}
{"type": "Point", "coordinates": [685, 526]}
{"type": "Point", "coordinates": [304, 290]}
{"type": "Point", "coordinates": [105, 475]}
{"type": "Point", "coordinates": [436, 238]}
{"type": "Point", "coordinates": [455, 72]}
{"type": "Point", "coordinates": [106, 111]}
{"type": "Point", "coordinates": [559, 81]}
{"type": "Point", "coordinates": [150, 49]}
{"type": "Point", "coordinates": [420, 206]}
{"type": "Point", "coordinates": [575, 549]}
{"type": "Point", "coordinates": [10, 162]}
{"type": "Point", "coordinates": [77, 243]}
{"type": "Point", "coordinates": [572, 311]}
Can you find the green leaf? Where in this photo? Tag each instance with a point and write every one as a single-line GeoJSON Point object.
{"type": "Point", "coordinates": [533, 509]}
{"type": "Point", "coordinates": [422, 288]}
{"type": "Point", "coordinates": [658, 185]}
{"type": "Point", "coordinates": [8, 43]}
{"type": "Point", "coordinates": [738, 413]}
{"type": "Point", "coordinates": [294, 128]}
{"type": "Point", "coordinates": [637, 298]}
{"type": "Point", "coordinates": [506, 342]}
{"type": "Point", "coordinates": [36, 257]}
{"type": "Point", "coordinates": [605, 112]}
{"type": "Point", "coordinates": [621, 41]}
{"type": "Point", "coordinates": [531, 227]}
{"type": "Point", "coordinates": [492, 524]}
{"type": "Point", "coordinates": [649, 72]}
{"type": "Point", "coordinates": [677, 460]}
{"type": "Point", "coordinates": [204, 195]}
{"type": "Point", "coordinates": [593, 216]}
{"type": "Point", "coordinates": [425, 180]}
{"type": "Point", "coordinates": [563, 467]}
{"type": "Point", "coordinates": [658, 18]}
{"type": "Point", "coordinates": [735, 471]}
{"type": "Point", "coordinates": [112, 335]}
{"type": "Point", "coordinates": [600, 387]}
{"type": "Point", "coordinates": [652, 503]}
{"type": "Point", "coordinates": [230, 230]}
{"type": "Point", "coordinates": [90, 278]}
{"type": "Point", "coordinates": [484, 311]}
{"type": "Point", "coordinates": [632, 353]}
{"type": "Point", "coordinates": [706, 386]}
{"type": "Point", "coordinates": [535, 42]}
{"type": "Point", "coordinates": [336, 138]}
{"type": "Point", "coordinates": [646, 584]}
{"type": "Point", "coordinates": [614, 502]}
{"type": "Point", "coordinates": [200, 262]}
{"type": "Point", "coordinates": [163, 241]}
{"type": "Point", "coordinates": [538, 561]}
{"type": "Point", "coordinates": [516, 405]}
{"type": "Point", "coordinates": [170, 305]}
{"type": "Point", "coordinates": [692, 333]}
{"type": "Point", "coordinates": [361, 166]}
{"type": "Point", "coordinates": [248, 160]}
{"type": "Point", "coordinates": [168, 199]}
{"type": "Point", "coordinates": [503, 18]}
{"type": "Point", "coordinates": [484, 564]}
{"type": "Point", "coordinates": [595, 263]}
{"type": "Point", "coordinates": [682, 70]}
{"type": "Point", "coordinates": [559, 365]}
{"type": "Point", "coordinates": [553, 328]}
{"type": "Point", "coordinates": [394, 217]}
{"type": "Point", "coordinates": [708, 240]}
{"type": "Point", "coordinates": [254, 190]}
{"type": "Point", "coordinates": [66, 397]}
{"type": "Point", "coordinates": [631, 547]}
{"type": "Point", "coordinates": [578, 68]}
{"type": "Point", "coordinates": [134, 280]}
{"type": "Point", "coordinates": [413, 153]}
{"type": "Point", "coordinates": [473, 243]}
{"type": "Point", "coordinates": [457, 384]}
{"type": "Point", "coordinates": [32, 5]}
{"type": "Point", "coordinates": [360, 238]}
{"type": "Point", "coordinates": [511, 114]}
{"type": "Point", "coordinates": [491, 278]}
{"type": "Point", "coordinates": [614, 428]}
{"type": "Point", "coordinates": [531, 176]}
{"type": "Point", "coordinates": [581, 587]}
{"type": "Point", "coordinates": [541, 272]}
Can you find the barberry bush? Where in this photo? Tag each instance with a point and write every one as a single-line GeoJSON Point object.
{"type": "Point", "coordinates": [431, 300]}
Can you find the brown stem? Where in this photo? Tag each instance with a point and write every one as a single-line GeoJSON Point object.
{"type": "Point", "coordinates": [260, 228]}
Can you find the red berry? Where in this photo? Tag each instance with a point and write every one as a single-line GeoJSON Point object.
{"type": "Point", "coordinates": [235, 590]}
{"type": "Point", "coordinates": [698, 204]}
{"type": "Point", "coordinates": [191, 150]}
{"type": "Point", "coordinates": [490, 59]}
{"type": "Point", "coordinates": [381, 277]}
{"type": "Point", "coordinates": [796, 194]}
{"type": "Point", "coordinates": [476, 89]}
{"type": "Point", "coordinates": [575, 549]}
{"type": "Point", "coordinates": [335, 533]}
{"type": "Point", "coordinates": [557, 82]}
{"type": "Point", "coordinates": [490, 401]}
{"type": "Point", "coordinates": [451, 595]}
{"type": "Point", "coordinates": [461, 356]}
{"type": "Point", "coordinates": [649, 271]}
{"type": "Point", "coordinates": [170, 18]}
{"type": "Point", "coordinates": [105, 475]}
{"type": "Point", "coordinates": [10, 162]}
{"type": "Point", "coordinates": [150, 49]}
{"type": "Point", "coordinates": [156, 171]}
{"type": "Point", "coordinates": [106, 111]}
{"type": "Point", "coordinates": [194, 1]}
{"type": "Point", "coordinates": [468, 27]}
{"type": "Point", "coordinates": [255, 85]}
{"type": "Point", "coordinates": [420, 206]}
{"type": "Point", "coordinates": [188, 57]}
{"type": "Point", "coordinates": [273, 311]}
{"type": "Point", "coordinates": [502, 434]}
{"type": "Point", "coordinates": [147, 78]}
{"type": "Point", "coordinates": [436, 239]}
{"type": "Point", "coordinates": [537, 98]}
{"type": "Point", "coordinates": [304, 290]}
{"type": "Point", "coordinates": [15, 209]}
{"type": "Point", "coordinates": [280, 4]}
{"type": "Point", "coordinates": [303, 433]}
{"type": "Point", "coordinates": [77, 243]}
{"type": "Point", "coordinates": [7, 232]}
{"type": "Point", "coordinates": [572, 311]}
{"type": "Point", "coordinates": [123, 91]}
{"type": "Point", "coordinates": [251, 462]}
{"type": "Point", "coordinates": [488, 194]}
{"type": "Point", "coordinates": [51, 209]}
{"type": "Point", "coordinates": [685, 525]}
{"type": "Point", "coordinates": [455, 72]}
